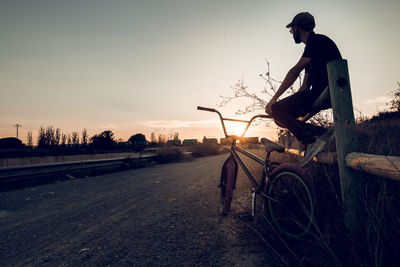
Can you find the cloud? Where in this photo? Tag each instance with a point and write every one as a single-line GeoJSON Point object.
{"type": "Point", "coordinates": [378, 100]}
{"type": "Point", "coordinates": [173, 124]}
{"type": "Point", "coordinates": [109, 126]}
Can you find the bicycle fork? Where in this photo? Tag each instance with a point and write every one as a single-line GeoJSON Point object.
{"type": "Point", "coordinates": [231, 169]}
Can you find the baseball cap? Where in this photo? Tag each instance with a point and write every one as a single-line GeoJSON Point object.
{"type": "Point", "coordinates": [302, 19]}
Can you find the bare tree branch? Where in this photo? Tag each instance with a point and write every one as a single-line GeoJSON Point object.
{"type": "Point", "coordinates": [259, 101]}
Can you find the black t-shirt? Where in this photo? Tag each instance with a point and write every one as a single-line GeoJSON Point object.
{"type": "Point", "coordinates": [321, 50]}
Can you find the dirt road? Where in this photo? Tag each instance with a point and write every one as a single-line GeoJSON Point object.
{"type": "Point", "coordinates": [162, 215]}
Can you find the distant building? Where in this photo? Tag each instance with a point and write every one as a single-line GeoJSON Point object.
{"type": "Point", "coordinates": [141, 143]}
{"type": "Point", "coordinates": [210, 140]}
{"type": "Point", "coordinates": [189, 141]}
{"type": "Point", "coordinates": [249, 140]}
{"type": "Point", "coordinates": [124, 144]}
{"type": "Point", "coordinates": [174, 142]}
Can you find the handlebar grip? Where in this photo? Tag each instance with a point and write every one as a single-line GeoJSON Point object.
{"type": "Point", "coordinates": [206, 109]}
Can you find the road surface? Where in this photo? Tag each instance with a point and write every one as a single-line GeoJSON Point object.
{"type": "Point", "coordinates": [163, 215]}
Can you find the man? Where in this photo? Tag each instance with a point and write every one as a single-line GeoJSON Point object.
{"type": "Point", "coordinates": [318, 51]}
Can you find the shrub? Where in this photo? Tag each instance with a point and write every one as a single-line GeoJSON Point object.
{"type": "Point", "coordinates": [105, 140]}
{"type": "Point", "coordinates": [202, 150]}
{"type": "Point", "coordinates": [169, 154]}
{"type": "Point", "coordinates": [11, 143]}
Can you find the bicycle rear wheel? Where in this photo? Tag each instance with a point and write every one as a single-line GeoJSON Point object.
{"type": "Point", "coordinates": [292, 210]}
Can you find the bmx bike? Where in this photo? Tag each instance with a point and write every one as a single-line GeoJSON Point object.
{"type": "Point", "coordinates": [286, 189]}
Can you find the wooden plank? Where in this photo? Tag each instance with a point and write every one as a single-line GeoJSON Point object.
{"type": "Point", "coordinates": [384, 166]}
{"type": "Point", "coordinates": [326, 158]}
{"type": "Point", "coordinates": [379, 165]}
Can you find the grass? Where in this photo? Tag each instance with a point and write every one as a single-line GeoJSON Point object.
{"type": "Point", "coordinates": [169, 154]}
{"type": "Point", "coordinates": [202, 150]}
{"type": "Point", "coordinates": [329, 244]}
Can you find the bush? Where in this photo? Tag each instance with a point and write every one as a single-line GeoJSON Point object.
{"type": "Point", "coordinates": [11, 143]}
{"type": "Point", "coordinates": [105, 140]}
{"type": "Point", "coordinates": [169, 154]}
{"type": "Point", "coordinates": [202, 150]}
{"type": "Point", "coordinates": [379, 135]}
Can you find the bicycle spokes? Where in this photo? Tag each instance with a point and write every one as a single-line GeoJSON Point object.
{"type": "Point", "coordinates": [292, 214]}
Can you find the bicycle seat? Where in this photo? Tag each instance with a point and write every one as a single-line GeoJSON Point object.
{"type": "Point", "coordinates": [272, 146]}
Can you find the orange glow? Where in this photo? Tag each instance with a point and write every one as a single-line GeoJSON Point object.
{"type": "Point", "coordinates": [236, 128]}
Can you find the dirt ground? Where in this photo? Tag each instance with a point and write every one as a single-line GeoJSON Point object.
{"type": "Point", "coordinates": [162, 215]}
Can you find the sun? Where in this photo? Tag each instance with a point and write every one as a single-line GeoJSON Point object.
{"type": "Point", "coordinates": [235, 128]}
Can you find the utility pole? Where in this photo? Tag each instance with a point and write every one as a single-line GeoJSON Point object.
{"type": "Point", "coordinates": [17, 126]}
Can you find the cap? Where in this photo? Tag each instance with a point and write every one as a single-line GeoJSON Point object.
{"type": "Point", "coordinates": [302, 19]}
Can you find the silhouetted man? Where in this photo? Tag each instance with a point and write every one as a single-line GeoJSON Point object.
{"type": "Point", "coordinates": [319, 50]}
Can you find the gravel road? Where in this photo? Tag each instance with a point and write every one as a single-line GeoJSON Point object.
{"type": "Point", "coordinates": [163, 215]}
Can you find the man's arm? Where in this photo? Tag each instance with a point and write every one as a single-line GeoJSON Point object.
{"type": "Point", "coordinates": [290, 78]}
{"type": "Point", "coordinates": [305, 86]}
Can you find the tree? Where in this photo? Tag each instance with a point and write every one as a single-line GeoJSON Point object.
{"type": "Point", "coordinates": [104, 140]}
{"type": "Point", "coordinates": [57, 137]}
{"type": "Point", "coordinates": [138, 141]}
{"type": "Point", "coordinates": [161, 139]}
{"type": "Point", "coordinates": [137, 138]}
{"type": "Point", "coordinates": [395, 102]}
{"type": "Point", "coordinates": [29, 139]}
{"type": "Point", "coordinates": [176, 136]}
{"type": "Point", "coordinates": [42, 138]}
{"type": "Point", "coordinates": [84, 137]}
{"type": "Point", "coordinates": [63, 139]}
{"type": "Point", "coordinates": [50, 136]}
{"type": "Point", "coordinates": [259, 101]}
{"type": "Point", "coordinates": [75, 138]}
{"type": "Point", "coordinates": [153, 138]}
{"type": "Point", "coordinates": [69, 140]}
{"type": "Point", "coordinates": [11, 143]}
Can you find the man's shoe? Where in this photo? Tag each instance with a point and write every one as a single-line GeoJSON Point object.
{"type": "Point", "coordinates": [312, 150]}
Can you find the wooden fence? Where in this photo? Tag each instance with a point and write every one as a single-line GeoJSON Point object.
{"type": "Point", "coordinates": [379, 165]}
{"type": "Point", "coordinates": [347, 155]}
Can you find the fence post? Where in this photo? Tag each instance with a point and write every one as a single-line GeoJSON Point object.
{"type": "Point", "coordinates": [351, 182]}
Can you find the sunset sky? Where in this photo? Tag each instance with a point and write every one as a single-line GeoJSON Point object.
{"type": "Point", "coordinates": [143, 66]}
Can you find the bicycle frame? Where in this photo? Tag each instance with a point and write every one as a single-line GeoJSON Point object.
{"type": "Point", "coordinates": [234, 149]}
{"type": "Point", "coordinates": [299, 216]}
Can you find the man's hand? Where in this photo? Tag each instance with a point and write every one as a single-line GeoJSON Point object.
{"type": "Point", "coordinates": [269, 105]}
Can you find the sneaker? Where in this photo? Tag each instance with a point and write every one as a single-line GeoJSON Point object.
{"type": "Point", "coordinates": [312, 150]}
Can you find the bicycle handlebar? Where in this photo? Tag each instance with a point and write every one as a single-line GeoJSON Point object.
{"type": "Point", "coordinates": [206, 109]}
{"type": "Point", "coordinates": [226, 119]}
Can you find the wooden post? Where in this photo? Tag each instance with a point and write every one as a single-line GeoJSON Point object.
{"type": "Point", "coordinates": [351, 182]}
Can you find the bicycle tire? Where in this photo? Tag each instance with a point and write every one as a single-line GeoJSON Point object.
{"type": "Point", "coordinates": [293, 212]}
{"type": "Point", "coordinates": [227, 182]}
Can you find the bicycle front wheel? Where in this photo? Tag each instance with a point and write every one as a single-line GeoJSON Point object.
{"type": "Point", "coordinates": [227, 182]}
{"type": "Point", "coordinates": [291, 207]}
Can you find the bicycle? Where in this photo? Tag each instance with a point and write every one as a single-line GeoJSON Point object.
{"type": "Point", "coordinates": [286, 188]}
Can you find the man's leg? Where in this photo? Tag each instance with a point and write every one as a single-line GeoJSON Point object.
{"type": "Point", "coordinates": [286, 112]}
